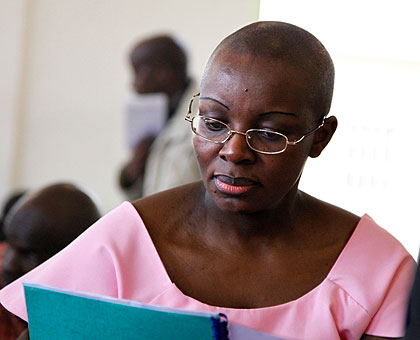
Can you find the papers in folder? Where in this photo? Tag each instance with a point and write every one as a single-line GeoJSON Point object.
{"type": "Point", "coordinates": [56, 314]}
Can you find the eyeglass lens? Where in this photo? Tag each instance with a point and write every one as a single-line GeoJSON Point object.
{"type": "Point", "coordinates": [219, 132]}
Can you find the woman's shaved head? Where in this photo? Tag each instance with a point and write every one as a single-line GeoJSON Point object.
{"type": "Point", "coordinates": [288, 45]}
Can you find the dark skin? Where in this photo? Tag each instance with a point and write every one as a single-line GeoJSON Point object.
{"type": "Point", "coordinates": [272, 243]}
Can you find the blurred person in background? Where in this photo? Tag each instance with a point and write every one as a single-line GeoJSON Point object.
{"type": "Point", "coordinates": [37, 227]}
{"type": "Point", "coordinates": [163, 157]}
{"type": "Point", "coordinates": [9, 202]}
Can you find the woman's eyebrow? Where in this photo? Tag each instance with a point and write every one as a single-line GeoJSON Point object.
{"type": "Point", "coordinates": [277, 112]}
{"type": "Point", "coordinates": [216, 101]}
{"type": "Point", "coordinates": [261, 114]}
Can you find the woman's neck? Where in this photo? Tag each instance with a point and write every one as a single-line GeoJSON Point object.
{"type": "Point", "coordinates": [278, 223]}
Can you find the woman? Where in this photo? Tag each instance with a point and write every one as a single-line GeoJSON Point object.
{"type": "Point", "coordinates": [244, 240]}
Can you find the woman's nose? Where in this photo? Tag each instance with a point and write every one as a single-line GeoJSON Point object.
{"type": "Point", "coordinates": [236, 149]}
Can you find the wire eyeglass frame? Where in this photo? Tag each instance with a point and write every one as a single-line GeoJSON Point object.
{"type": "Point", "coordinates": [189, 117]}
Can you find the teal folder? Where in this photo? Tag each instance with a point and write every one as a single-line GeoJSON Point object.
{"type": "Point", "coordinates": [56, 314]}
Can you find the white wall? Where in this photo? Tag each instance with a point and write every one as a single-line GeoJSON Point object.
{"type": "Point", "coordinates": [12, 15]}
{"type": "Point", "coordinates": [64, 96]}
{"type": "Point", "coordinates": [371, 165]}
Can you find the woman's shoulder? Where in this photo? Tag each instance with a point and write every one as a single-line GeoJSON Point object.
{"type": "Point", "coordinates": [364, 235]}
{"type": "Point", "coordinates": [331, 218]}
{"type": "Point", "coordinates": [372, 265]}
{"type": "Point", "coordinates": [165, 208]}
{"type": "Point", "coordinates": [378, 246]}
{"type": "Point", "coordinates": [170, 200]}
{"type": "Point", "coordinates": [373, 269]}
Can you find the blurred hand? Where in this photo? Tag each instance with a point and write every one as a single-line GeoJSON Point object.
{"type": "Point", "coordinates": [134, 169]}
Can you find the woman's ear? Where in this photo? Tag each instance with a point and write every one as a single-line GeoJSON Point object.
{"type": "Point", "coordinates": [323, 136]}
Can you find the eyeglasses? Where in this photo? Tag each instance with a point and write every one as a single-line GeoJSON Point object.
{"type": "Point", "coordinates": [260, 140]}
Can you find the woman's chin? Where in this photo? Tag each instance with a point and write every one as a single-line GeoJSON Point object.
{"type": "Point", "coordinates": [234, 204]}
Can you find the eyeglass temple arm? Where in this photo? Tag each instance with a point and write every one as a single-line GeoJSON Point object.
{"type": "Point", "coordinates": [308, 133]}
{"type": "Point", "coordinates": [188, 115]}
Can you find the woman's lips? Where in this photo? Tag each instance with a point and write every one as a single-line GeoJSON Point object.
{"type": "Point", "coordinates": [235, 186]}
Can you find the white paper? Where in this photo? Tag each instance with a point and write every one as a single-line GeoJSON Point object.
{"type": "Point", "coordinates": [145, 115]}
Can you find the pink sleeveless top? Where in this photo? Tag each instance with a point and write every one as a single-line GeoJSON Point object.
{"type": "Point", "coordinates": [366, 291]}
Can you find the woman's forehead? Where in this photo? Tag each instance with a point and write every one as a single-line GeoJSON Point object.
{"type": "Point", "coordinates": [245, 78]}
{"type": "Point", "coordinates": [238, 71]}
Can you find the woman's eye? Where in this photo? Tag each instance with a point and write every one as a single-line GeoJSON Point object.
{"type": "Point", "coordinates": [269, 136]}
{"type": "Point", "coordinates": [213, 125]}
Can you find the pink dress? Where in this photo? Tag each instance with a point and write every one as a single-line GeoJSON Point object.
{"type": "Point", "coordinates": [365, 292]}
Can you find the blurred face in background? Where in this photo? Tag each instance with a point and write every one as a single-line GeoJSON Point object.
{"type": "Point", "coordinates": [27, 246]}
